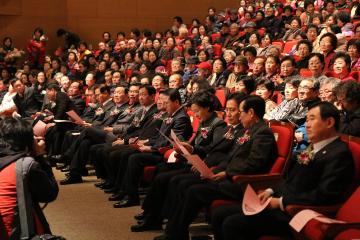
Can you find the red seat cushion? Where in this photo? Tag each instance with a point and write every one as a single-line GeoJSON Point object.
{"type": "Point", "coordinates": [354, 146]}
{"type": "Point", "coordinates": [221, 95]}
{"type": "Point", "coordinates": [350, 210]}
{"type": "Point", "coordinates": [220, 202]}
{"type": "Point", "coordinates": [349, 234]}
{"type": "Point", "coordinates": [315, 229]}
{"type": "Point", "coordinates": [148, 173]}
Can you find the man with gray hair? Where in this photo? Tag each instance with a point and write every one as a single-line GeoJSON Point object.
{"type": "Point", "coordinates": [308, 93]}
{"type": "Point", "coordinates": [327, 87]}
{"type": "Point", "coordinates": [176, 81]}
{"type": "Point", "coordinates": [65, 83]}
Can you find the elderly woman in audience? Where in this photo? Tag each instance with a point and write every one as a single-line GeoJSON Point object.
{"type": "Point", "coordinates": [289, 104]}
{"type": "Point", "coordinates": [169, 51]}
{"type": "Point", "coordinates": [287, 69]}
{"type": "Point", "coordinates": [295, 26]}
{"type": "Point", "coordinates": [265, 89]}
{"type": "Point", "coordinates": [245, 84]}
{"type": "Point", "coordinates": [203, 56]}
{"type": "Point", "coordinates": [219, 76]}
{"type": "Point", "coordinates": [316, 66]}
{"type": "Point", "coordinates": [328, 44]}
{"type": "Point", "coordinates": [348, 99]}
{"type": "Point", "coordinates": [303, 50]}
{"type": "Point", "coordinates": [266, 42]}
{"type": "Point", "coordinates": [229, 56]}
{"type": "Point", "coordinates": [272, 67]}
{"type": "Point", "coordinates": [353, 49]}
{"type": "Point", "coordinates": [341, 66]}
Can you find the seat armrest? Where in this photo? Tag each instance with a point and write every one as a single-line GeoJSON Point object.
{"type": "Point", "coordinates": [330, 210]}
{"type": "Point", "coordinates": [335, 229]}
{"type": "Point", "coordinates": [258, 177]}
{"type": "Point", "coordinates": [259, 181]}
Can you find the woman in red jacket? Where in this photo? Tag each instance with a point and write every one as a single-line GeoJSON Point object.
{"type": "Point", "coordinates": [39, 177]}
{"type": "Point", "coordinates": [36, 48]}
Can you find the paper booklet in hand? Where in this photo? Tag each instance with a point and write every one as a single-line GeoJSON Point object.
{"type": "Point", "coordinates": [200, 165]}
{"type": "Point", "coordinates": [251, 204]}
{"type": "Point", "coordinates": [40, 129]}
{"type": "Point", "coordinates": [299, 221]}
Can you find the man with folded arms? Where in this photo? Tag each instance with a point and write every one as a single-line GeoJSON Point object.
{"type": "Point", "coordinates": [317, 176]}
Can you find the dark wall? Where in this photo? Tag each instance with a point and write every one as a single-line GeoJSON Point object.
{"type": "Point", "coordinates": [89, 18]}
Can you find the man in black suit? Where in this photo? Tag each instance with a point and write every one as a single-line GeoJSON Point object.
{"type": "Point", "coordinates": [162, 193]}
{"type": "Point", "coordinates": [318, 177]}
{"type": "Point", "coordinates": [151, 153]}
{"type": "Point", "coordinates": [25, 102]}
{"type": "Point", "coordinates": [102, 112]}
{"type": "Point", "coordinates": [254, 153]}
{"type": "Point", "coordinates": [96, 134]}
{"type": "Point", "coordinates": [74, 93]}
{"type": "Point", "coordinates": [348, 97]}
{"type": "Point", "coordinates": [142, 128]}
{"type": "Point", "coordinates": [59, 104]}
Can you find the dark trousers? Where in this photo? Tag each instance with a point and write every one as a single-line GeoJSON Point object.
{"type": "Point", "coordinates": [229, 223]}
{"type": "Point", "coordinates": [195, 198]}
{"type": "Point", "coordinates": [55, 136]}
{"type": "Point", "coordinates": [96, 156]}
{"type": "Point", "coordinates": [117, 164]}
{"type": "Point", "coordinates": [155, 198]}
{"type": "Point", "coordinates": [177, 188]}
{"type": "Point", "coordinates": [80, 148]}
{"type": "Point", "coordinates": [135, 168]}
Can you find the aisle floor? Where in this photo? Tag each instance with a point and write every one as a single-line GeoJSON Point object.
{"type": "Point", "coordinates": [82, 212]}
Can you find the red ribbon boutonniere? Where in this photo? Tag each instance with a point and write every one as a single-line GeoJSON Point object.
{"type": "Point", "coordinates": [99, 111]}
{"type": "Point", "coordinates": [157, 115]}
{"type": "Point", "coordinates": [306, 156]}
{"type": "Point", "coordinates": [114, 112]}
{"type": "Point", "coordinates": [229, 134]}
{"type": "Point", "coordinates": [244, 138]}
{"type": "Point", "coordinates": [168, 120]}
{"type": "Point", "coordinates": [204, 132]}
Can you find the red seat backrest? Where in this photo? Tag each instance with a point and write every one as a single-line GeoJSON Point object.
{"type": "Point", "coordinates": [279, 44]}
{"type": "Point", "coordinates": [221, 95]}
{"type": "Point", "coordinates": [289, 46]}
{"type": "Point", "coordinates": [350, 210]}
{"type": "Point", "coordinates": [215, 36]}
{"type": "Point", "coordinates": [354, 146]}
{"type": "Point", "coordinates": [305, 72]}
{"type": "Point", "coordinates": [217, 48]}
{"type": "Point", "coordinates": [277, 97]}
{"type": "Point", "coordinates": [284, 135]}
{"type": "Point", "coordinates": [195, 123]}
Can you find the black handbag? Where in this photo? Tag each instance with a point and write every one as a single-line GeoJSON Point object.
{"type": "Point", "coordinates": [24, 207]}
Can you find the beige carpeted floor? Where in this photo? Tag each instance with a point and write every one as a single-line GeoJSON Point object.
{"type": "Point", "coordinates": [82, 212]}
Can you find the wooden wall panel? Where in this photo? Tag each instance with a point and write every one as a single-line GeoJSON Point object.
{"type": "Point", "coordinates": [10, 7]}
{"type": "Point", "coordinates": [89, 18]}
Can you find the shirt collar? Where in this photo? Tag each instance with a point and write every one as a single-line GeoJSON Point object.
{"type": "Point", "coordinates": [320, 145]}
{"type": "Point", "coordinates": [177, 110]}
{"type": "Point", "coordinates": [148, 107]}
